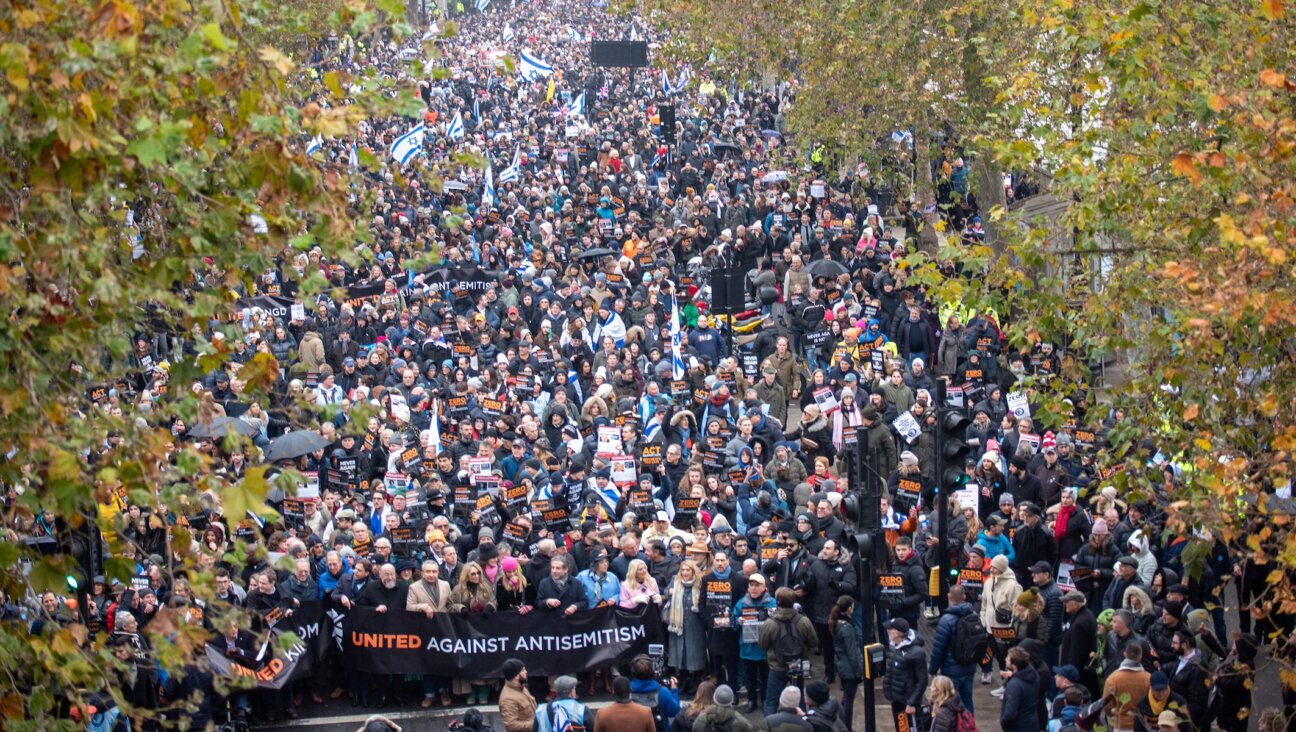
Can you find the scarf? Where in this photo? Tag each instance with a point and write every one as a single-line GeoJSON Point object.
{"type": "Point", "coordinates": [1060, 526]}
{"type": "Point", "coordinates": [1157, 706]}
{"type": "Point", "coordinates": [491, 572]}
{"type": "Point", "coordinates": [675, 615]}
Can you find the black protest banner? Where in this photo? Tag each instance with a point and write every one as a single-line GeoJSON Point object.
{"type": "Point", "coordinates": [275, 307]}
{"type": "Point", "coordinates": [475, 646]}
{"type": "Point", "coordinates": [274, 666]}
{"type": "Point", "coordinates": [460, 281]}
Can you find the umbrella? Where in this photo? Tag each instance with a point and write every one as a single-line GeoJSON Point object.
{"type": "Point", "coordinates": [222, 426]}
{"type": "Point", "coordinates": [777, 176]}
{"type": "Point", "coordinates": [723, 148]}
{"type": "Point", "coordinates": [826, 268]}
{"type": "Point", "coordinates": [295, 444]}
{"type": "Point", "coordinates": [771, 133]}
{"type": "Point", "coordinates": [596, 252]}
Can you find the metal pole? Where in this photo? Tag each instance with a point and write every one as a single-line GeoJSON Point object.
{"type": "Point", "coordinates": [942, 501]}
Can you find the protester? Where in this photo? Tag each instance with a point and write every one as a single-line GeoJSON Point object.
{"type": "Point", "coordinates": [516, 705]}
{"type": "Point", "coordinates": [623, 713]}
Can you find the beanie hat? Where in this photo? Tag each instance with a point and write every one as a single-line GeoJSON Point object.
{"type": "Point", "coordinates": [790, 698]}
{"type": "Point", "coordinates": [1100, 528]}
{"type": "Point", "coordinates": [511, 669]}
{"type": "Point", "coordinates": [509, 564]}
{"type": "Point", "coordinates": [817, 692]}
{"type": "Point", "coordinates": [1000, 563]}
{"type": "Point", "coordinates": [1049, 442]}
{"type": "Point", "coordinates": [1028, 598]}
{"type": "Point", "coordinates": [992, 456]}
{"type": "Point", "coordinates": [724, 695]}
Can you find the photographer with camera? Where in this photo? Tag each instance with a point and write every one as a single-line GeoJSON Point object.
{"type": "Point", "coordinates": [788, 637]}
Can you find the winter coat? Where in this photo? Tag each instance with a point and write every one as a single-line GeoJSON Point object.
{"type": "Point", "coordinates": [771, 629]}
{"type": "Point", "coordinates": [717, 715]}
{"type": "Point", "coordinates": [1079, 640]}
{"type": "Point", "coordinates": [906, 676]}
{"type": "Point", "coordinates": [517, 707]}
{"type": "Point", "coordinates": [949, 352]}
{"type": "Point", "coordinates": [1020, 710]}
{"type": "Point", "coordinates": [847, 651]}
{"type": "Point", "coordinates": [1053, 612]}
{"type": "Point", "coordinates": [311, 352]}
{"type": "Point", "coordinates": [946, 717]}
{"type": "Point", "coordinates": [762, 608]}
{"type": "Point", "coordinates": [915, 589]}
{"type": "Point", "coordinates": [942, 655]}
{"type": "Point", "coordinates": [687, 650]}
{"type": "Point", "coordinates": [1099, 566]}
{"type": "Point", "coordinates": [999, 592]}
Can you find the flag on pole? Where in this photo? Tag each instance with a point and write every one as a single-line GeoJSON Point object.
{"type": "Point", "coordinates": [482, 5]}
{"type": "Point", "coordinates": [456, 129]}
{"type": "Point", "coordinates": [514, 170]}
{"type": "Point", "coordinates": [533, 67]}
{"type": "Point", "coordinates": [408, 145]}
{"type": "Point", "coordinates": [435, 428]}
{"type": "Point", "coordinates": [549, 91]}
{"type": "Point", "coordinates": [476, 112]}
{"type": "Point", "coordinates": [314, 145]}
{"type": "Point", "coordinates": [509, 34]}
{"type": "Point", "coordinates": [488, 188]}
{"type": "Point", "coordinates": [667, 88]}
{"type": "Point", "coordinates": [677, 346]}
{"type": "Point", "coordinates": [575, 106]}
{"type": "Point", "coordinates": [353, 160]}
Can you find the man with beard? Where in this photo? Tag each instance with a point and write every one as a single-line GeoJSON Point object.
{"type": "Point", "coordinates": [388, 594]}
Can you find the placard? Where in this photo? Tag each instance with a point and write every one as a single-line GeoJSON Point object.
{"type": "Point", "coordinates": [826, 400]}
{"type": "Point", "coordinates": [1065, 579]}
{"type": "Point", "coordinates": [907, 427]}
{"type": "Point", "coordinates": [954, 396]}
{"type": "Point", "coordinates": [686, 510]}
{"type": "Point", "coordinates": [650, 456]}
{"type": "Point", "coordinates": [556, 520]}
{"type": "Point", "coordinates": [892, 588]}
{"type": "Point", "coordinates": [479, 466]}
{"type": "Point", "coordinates": [750, 365]}
{"type": "Point", "coordinates": [297, 312]}
{"type": "Point", "coordinates": [515, 497]}
{"type": "Point", "coordinates": [1018, 404]}
{"type": "Point", "coordinates": [294, 515]}
{"type": "Point", "coordinates": [609, 441]}
{"type": "Point", "coordinates": [311, 488]}
{"type": "Point", "coordinates": [405, 543]}
{"type": "Point", "coordinates": [623, 469]}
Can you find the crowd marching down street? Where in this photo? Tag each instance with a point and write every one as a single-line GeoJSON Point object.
{"type": "Point", "coordinates": [550, 421]}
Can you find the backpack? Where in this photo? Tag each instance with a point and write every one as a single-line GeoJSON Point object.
{"type": "Point", "coordinates": [725, 726]}
{"type": "Point", "coordinates": [965, 722]}
{"type": "Point", "coordinates": [970, 640]}
{"type": "Point", "coordinates": [649, 699]}
{"type": "Point", "coordinates": [560, 720]}
{"type": "Point", "coordinates": [788, 646]}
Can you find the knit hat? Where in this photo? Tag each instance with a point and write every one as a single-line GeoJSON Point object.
{"type": "Point", "coordinates": [720, 525]}
{"type": "Point", "coordinates": [724, 695]}
{"type": "Point", "coordinates": [817, 692]}
{"type": "Point", "coordinates": [1028, 598]}
{"type": "Point", "coordinates": [509, 564]}
{"type": "Point", "coordinates": [1100, 528]}
{"type": "Point", "coordinates": [790, 698]}
{"type": "Point", "coordinates": [1049, 442]}
{"type": "Point", "coordinates": [992, 456]}
{"type": "Point", "coordinates": [908, 458]}
{"type": "Point", "coordinates": [511, 669]}
{"type": "Point", "coordinates": [1000, 563]}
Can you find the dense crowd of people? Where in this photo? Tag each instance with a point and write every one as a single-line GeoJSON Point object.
{"type": "Point", "coordinates": [533, 372]}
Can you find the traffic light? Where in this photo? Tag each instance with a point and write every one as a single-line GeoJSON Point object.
{"type": "Point", "coordinates": [954, 450]}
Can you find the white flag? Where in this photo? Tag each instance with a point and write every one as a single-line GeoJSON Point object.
{"type": "Point", "coordinates": [509, 35]}
{"type": "Point", "coordinates": [456, 129]}
{"type": "Point", "coordinates": [576, 106]}
{"type": "Point", "coordinates": [408, 145]}
{"type": "Point", "coordinates": [315, 144]}
{"type": "Point", "coordinates": [488, 191]}
{"type": "Point", "coordinates": [514, 170]}
{"type": "Point", "coordinates": [677, 345]}
{"type": "Point", "coordinates": [533, 67]}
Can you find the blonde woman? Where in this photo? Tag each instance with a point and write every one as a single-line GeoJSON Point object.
{"type": "Point", "coordinates": [686, 651]}
{"type": "Point", "coordinates": [946, 706]}
{"type": "Point", "coordinates": [639, 587]}
{"type": "Point", "coordinates": [474, 594]}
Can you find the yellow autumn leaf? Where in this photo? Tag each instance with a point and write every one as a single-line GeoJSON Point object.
{"type": "Point", "coordinates": [1271, 9]}
{"type": "Point", "coordinates": [276, 58]}
{"type": "Point", "coordinates": [1190, 412]}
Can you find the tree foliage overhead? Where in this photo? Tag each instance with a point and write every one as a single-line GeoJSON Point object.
{"type": "Point", "coordinates": [1168, 133]}
{"type": "Point", "coordinates": [152, 161]}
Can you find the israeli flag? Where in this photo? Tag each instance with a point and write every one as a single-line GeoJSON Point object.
{"type": "Point", "coordinates": [533, 67]}
{"type": "Point", "coordinates": [667, 88]}
{"type": "Point", "coordinates": [488, 190]}
{"type": "Point", "coordinates": [476, 112]}
{"type": "Point", "coordinates": [514, 170]}
{"type": "Point", "coordinates": [456, 129]}
{"type": "Point", "coordinates": [353, 160]}
{"type": "Point", "coordinates": [315, 145]}
{"type": "Point", "coordinates": [682, 80]}
{"type": "Point", "coordinates": [509, 34]}
{"type": "Point", "coordinates": [609, 496]}
{"type": "Point", "coordinates": [576, 106]}
{"type": "Point", "coordinates": [677, 345]}
{"type": "Point", "coordinates": [482, 5]}
{"type": "Point", "coordinates": [408, 145]}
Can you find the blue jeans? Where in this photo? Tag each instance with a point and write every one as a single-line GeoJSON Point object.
{"type": "Point", "coordinates": [775, 683]}
{"type": "Point", "coordinates": [812, 358]}
{"type": "Point", "coordinates": [964, 686]}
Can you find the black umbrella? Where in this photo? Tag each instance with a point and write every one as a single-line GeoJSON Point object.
{"type": "Point", "coordinates": [826, 268]}
{"type": "Point", "coordinates": [295, 444]}
{"type": "Point", "coordinates": [222, 426]}
{"type": "Point", "coordinates": [596, 252]}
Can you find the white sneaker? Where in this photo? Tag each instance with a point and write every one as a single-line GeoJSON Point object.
{"type": "Point", "coordinates": [997, 693]}
{"type": "Point", "coordinates": [985, 677]}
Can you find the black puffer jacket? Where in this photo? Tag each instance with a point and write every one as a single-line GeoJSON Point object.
{"type": "Point", "coordinates": [906, 676]}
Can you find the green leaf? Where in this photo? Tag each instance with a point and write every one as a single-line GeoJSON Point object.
{"type": "Point", "coordinates": [148, 150]}
{"type": "Point", "coordinates": [214, 36]}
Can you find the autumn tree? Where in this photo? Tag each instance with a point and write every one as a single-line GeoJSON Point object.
{"type": "Point", "coordinates": [152, 161]}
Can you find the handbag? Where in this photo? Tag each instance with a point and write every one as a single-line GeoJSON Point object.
{"type": "Point", "coordinates": [1003, 616]}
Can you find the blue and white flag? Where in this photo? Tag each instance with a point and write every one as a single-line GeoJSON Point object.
{"type": "Point", "coordinates": [456, 129]}
{"type": "Point", "coordinates": [533, 67]}
{"type": "Point", "coordinates": [488, 187]}
{"type": "Point", "coordinates": [677, 346]}
{"type": "Point", "coordinates": [576, 106]}
{"type": "Point", "coordinates": [353, 160]}
{"type": "Point", "coordinates": [408, 145]}
{"type": "Point", "coordinates": [514, 170]}
{"type": "Point", "coordinates": [435, 428]}
{"type": "Point", "coordinates": [476, 112]}
{"type": "Point", "coordinates": [509, 34]}
{"type": "Point", "coordinates": [667, 88]}
{"type": "Point", "coordinates": [482, 5]}
{"type": "Point", "coordinates": [315, 145]}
